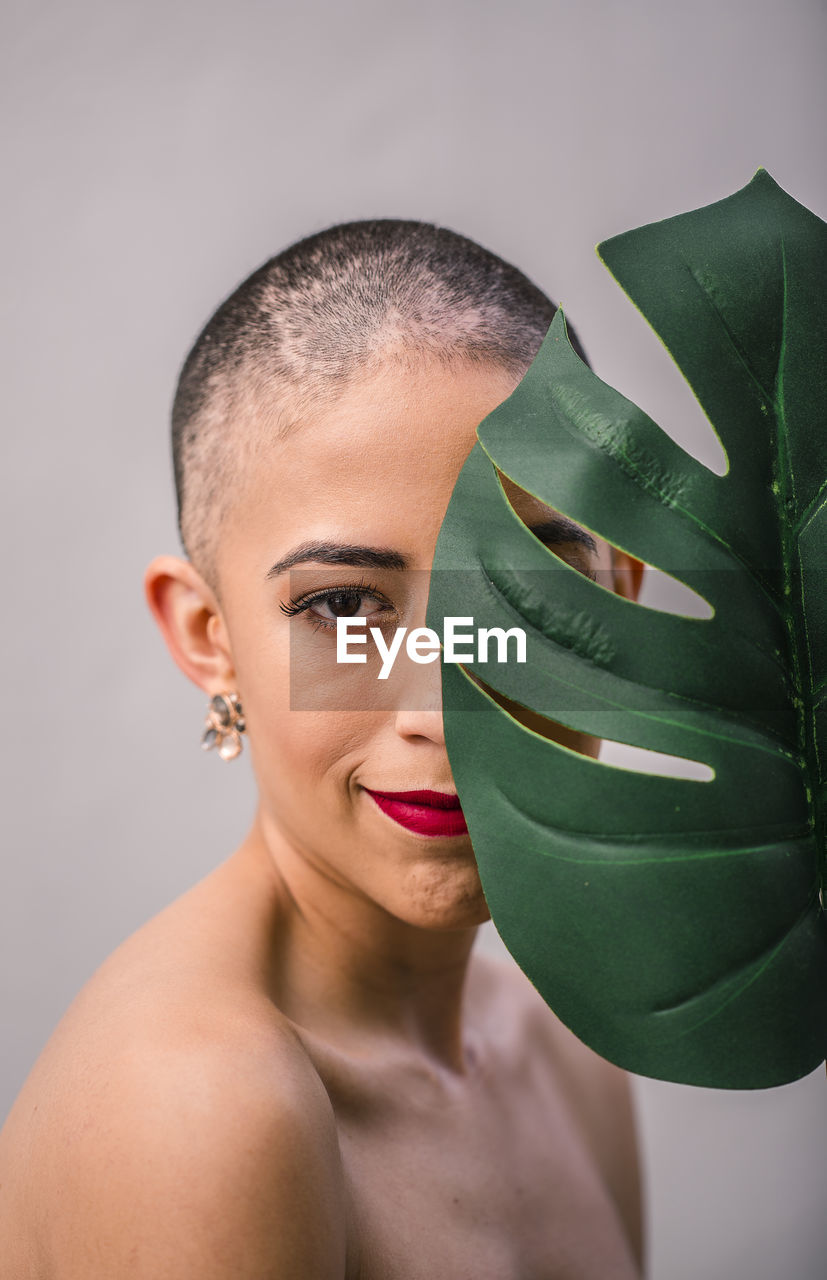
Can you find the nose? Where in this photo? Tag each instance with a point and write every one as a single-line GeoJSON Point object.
{"type": "Point", "coordinates": [419, 713]}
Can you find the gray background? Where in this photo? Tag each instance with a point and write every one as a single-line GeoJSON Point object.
{"type": "Point", "coordinates": [154, 154]}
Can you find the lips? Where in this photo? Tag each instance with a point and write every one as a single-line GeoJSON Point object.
{"type": "Point", "coordinates": [429, 813]}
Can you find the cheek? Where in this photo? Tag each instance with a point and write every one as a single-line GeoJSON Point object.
{"type": "Point", "coordinates": [306, 753]}
{"type": "Point", "coordinates": [296, 748]}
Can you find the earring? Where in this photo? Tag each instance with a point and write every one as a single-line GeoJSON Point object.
{"type": "Point", "coordinates": [224, 725]}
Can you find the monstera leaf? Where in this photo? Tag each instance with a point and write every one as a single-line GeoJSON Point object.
{"type": "Point", "coordinates": [677, 926]}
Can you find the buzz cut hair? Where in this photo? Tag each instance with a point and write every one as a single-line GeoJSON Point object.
{"type": "Point", "coordinates": [328, 309]}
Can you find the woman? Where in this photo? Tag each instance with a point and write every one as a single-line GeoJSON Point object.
{"type": "Point", "coordinates": [300, 1068]}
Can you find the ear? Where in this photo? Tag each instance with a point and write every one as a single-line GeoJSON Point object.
{"type": "Point", "coordinates": [627, 574]}
{"type": "Point", "coordinates": [190, 620]}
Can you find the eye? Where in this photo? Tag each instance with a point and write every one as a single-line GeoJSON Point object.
{"type": "Point", "coordinates": [341, 602]}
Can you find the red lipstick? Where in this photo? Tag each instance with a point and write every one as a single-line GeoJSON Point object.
{"type": "Point", "coordinates": [429, 813]}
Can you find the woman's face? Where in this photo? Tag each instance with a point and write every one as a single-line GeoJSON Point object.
{"type": "Point", "coordinates": [375, 470]}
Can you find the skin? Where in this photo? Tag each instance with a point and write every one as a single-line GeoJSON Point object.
{"type": "Point", "coordinates": [299, 1068]}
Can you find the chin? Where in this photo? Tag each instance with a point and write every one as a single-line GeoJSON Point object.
{"type": "Point", "coordinates": [443, 898]}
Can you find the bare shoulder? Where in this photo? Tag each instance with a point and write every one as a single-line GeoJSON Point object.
{"type": "Point", "coordinates": [174, 1126]}
{"type": "Point", "coordinates": [195, 1156]}
{"type": "Point", "coordinates": [598, 1093]}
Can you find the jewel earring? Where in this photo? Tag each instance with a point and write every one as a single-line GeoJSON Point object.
{"type": "Point", "coordinates": [224, 725]}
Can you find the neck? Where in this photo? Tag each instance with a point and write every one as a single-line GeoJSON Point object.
{"type": "Point", "coordinates": [345, 969]}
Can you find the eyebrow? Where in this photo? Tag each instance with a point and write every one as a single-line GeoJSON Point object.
{"type": "Point", "coordinates": [339, 553]}
{"type": "Point", "coordinates": [556, 530]}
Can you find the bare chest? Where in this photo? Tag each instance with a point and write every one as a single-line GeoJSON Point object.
{"type": "Point", "coordinates": [492, 1186]}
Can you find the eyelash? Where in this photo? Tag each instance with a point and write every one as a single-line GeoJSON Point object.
{"type": "Point", "coordinates": [299, 604]}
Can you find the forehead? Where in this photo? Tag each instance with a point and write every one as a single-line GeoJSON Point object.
{"type": "Point", "coordinates": [394, 413]}
{"type": "Point", "coordinates": [377, 465]}
{"type": "Point", "coordinates": [384, 454]}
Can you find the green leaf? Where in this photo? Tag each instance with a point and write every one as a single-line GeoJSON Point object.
{"type": "Point", "coordinates": [675, 925]}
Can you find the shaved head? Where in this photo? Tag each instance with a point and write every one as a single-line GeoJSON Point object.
{"type": "Point", "coordinates": [327, 310]}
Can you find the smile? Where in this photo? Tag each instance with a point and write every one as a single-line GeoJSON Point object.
{"type": "Point", "coordinates": [429, 813]}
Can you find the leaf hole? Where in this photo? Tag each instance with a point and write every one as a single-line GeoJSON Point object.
{"type": "Point", "coordinates": [620, 755]}
{"type": "Point", "coordinates": [606, 752]}
{"type": "Point", "coordinates": [606, 564]}
{"type": "Point", "coordinates": [660, 591]}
